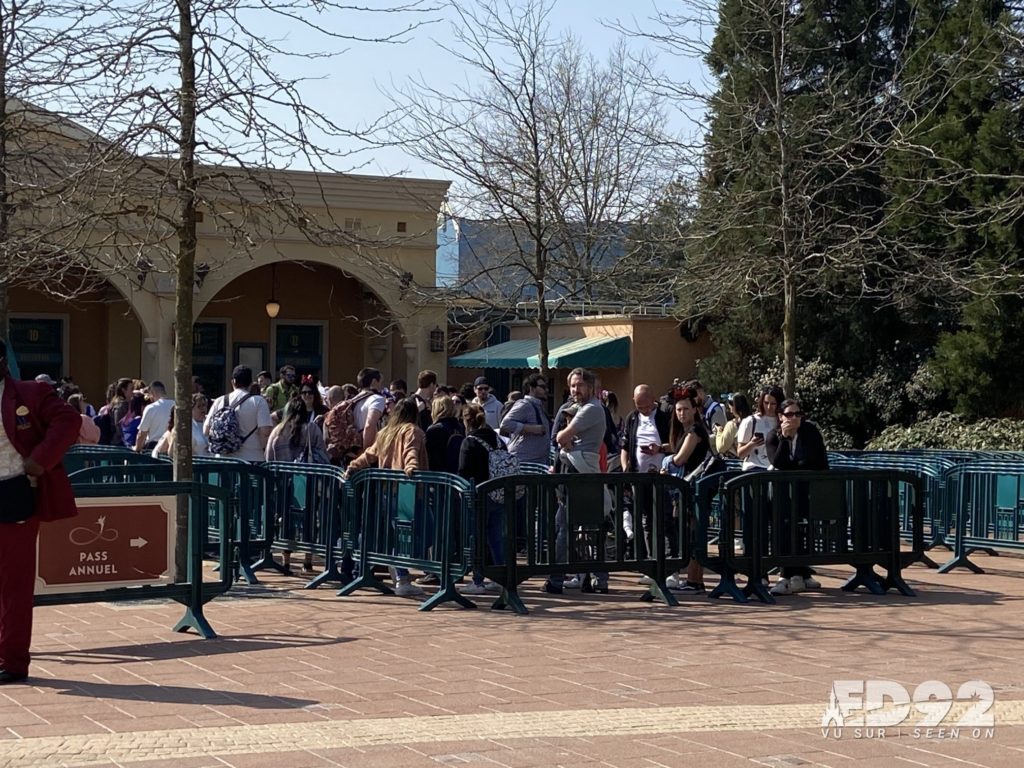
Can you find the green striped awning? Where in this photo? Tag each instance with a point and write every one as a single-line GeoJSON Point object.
{"type": "Point", "coordinates": [591, 352]}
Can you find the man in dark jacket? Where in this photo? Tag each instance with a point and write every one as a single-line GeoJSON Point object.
{"type": "Point", "coordinates": [38, 429]}
{"type": "Point", "coordinates": [797, 444]}
{"type": "Point", "coordinates": [645, 442]}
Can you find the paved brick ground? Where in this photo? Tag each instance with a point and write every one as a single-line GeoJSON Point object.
{"type": "Point", "coordinates": [303, 678]}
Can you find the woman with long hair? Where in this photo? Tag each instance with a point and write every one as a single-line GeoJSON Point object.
{"type": "Point", "coordinates": [129, 422]}
{"type": "Point", "coordinates": [296, 438]}
{"type": "Point", "coordinates": [690, 442]}
{"type": "Point", "coordinates": [402, 445]}
{"type": "Point", "coordinates": [755, 428]}
{"type": "Point", "coordinates": [311, 398]}
{"type": "Point", "coordinates": [725, 438]}
{"type": "Point", "coordinates": [474, 465]}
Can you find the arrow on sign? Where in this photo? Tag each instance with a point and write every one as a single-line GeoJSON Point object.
{"type": "Point", "coordinates": [139, 542]}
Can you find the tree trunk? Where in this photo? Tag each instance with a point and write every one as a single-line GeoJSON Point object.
{"type": "Point", "coordinates": [789, 335]}
{"type": "Point", "coordinates": [185, 274]}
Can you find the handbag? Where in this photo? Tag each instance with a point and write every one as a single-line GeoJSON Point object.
{"type": "Point", "coordinates": [17, 499]}
{"type": "Point", "coordinates": [712, 464]}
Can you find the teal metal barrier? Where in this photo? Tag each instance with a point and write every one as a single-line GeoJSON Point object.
{"type": "Point", "coordinates": [85, 456]}
{"type": "Point", "coordinates": [128, 482]}
{"type": "Point", "coordinates": [938, 515]}
{"type": "Point", "coordinates": [405, 522]}
{"type": "Point", "coordinates": [306, 503]}
{"type": "Point", "coordinates": [567, 530]}
{"type": "Point", "coordinates": [988, 498]}
{"type": "Point", "coordinates": [838, 517]}
{"type": "Point", "coordinates": [248, 486]}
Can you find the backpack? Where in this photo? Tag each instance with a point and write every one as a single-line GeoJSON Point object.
{"type": "Point", "coordinates": [225, 433]}
{"type": "Point", "coordinates": [500, 463]}
{"type": "Point", "coordinates": [340, 432]}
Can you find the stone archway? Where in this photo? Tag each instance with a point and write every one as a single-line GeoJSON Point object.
{"type": "Point", "coordinates": [331, 323]}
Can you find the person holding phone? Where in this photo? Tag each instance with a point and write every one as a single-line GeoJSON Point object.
{"type": "Point", "coordinates": [754, 430]}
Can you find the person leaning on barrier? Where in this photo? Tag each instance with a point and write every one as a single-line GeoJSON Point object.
{"type": "Point", "coordinates": [400, 444]}
{"type": "Point", "coordinates": [579, 444]}
{"type": "Point", "coordinates": [797, 444]}
{"type": "Point", "coordinates": [38, 429]}
{"type": "Point", "coordinates": [474, 465]}
{"type": "Point", "coordinates": [645, 441]}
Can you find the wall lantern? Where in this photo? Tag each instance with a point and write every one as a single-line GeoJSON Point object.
{"type": "Point", "coordinates": [437, 340]}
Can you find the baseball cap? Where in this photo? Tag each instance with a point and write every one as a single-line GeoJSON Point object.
{"type": "Point", "coordinates": [44, 378]}
{"type": "Point", "coordinates": [481, 381]}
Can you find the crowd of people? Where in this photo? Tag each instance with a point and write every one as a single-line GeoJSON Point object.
{"type": "Point", "coordinates": [448, 429]}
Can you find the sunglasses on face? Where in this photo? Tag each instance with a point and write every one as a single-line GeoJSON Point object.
{"type": "Point", "coordinates": [791, 414]}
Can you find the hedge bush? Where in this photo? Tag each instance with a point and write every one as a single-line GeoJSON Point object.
{"type": "Point", "coordinates": [955, 432]}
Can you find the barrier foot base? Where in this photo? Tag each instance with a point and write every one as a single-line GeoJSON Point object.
{"type": "Point", "coordinates": [194, 619]}
{"type": "Point", "coordinates": [447, 594]}
{"type": "Point", "coordinates": [867, 578]}
{"type": "Point", "coordinates": [755, 588]}
{"type": "Point", "coordinates": [658, 591]}
{"type": "Point", "coordinates": [960, 561]}
{"type": "Point", "coordinates": [268, 563]}
{"type": "Point", "coordinates": [728, 586]}
{"type": "Point", "coordinates": [329, 574]}
{"type": "Point", "coordinates": [986, 550]}
{"type": "Point", "coordinates": [895, 581]}
{"type": "Point", "coordinates": [510, 599]}
{"type": "Point", "coordinates": [927, 562]}
{"type": "Point", "coordinates": [245, 572]}
{"type": "Point", "coordinates": [366, 580]}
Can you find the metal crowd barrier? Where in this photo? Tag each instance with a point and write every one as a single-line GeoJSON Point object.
{"type": "Point", "coordinates": [938, 516]}
{"type": "Point", "coordinates": [838, 517]}
{"type": "Point", "coordinates": [419, 522]}
{"type": "Point", "coordinates": [194, 593]}
{"type": "Point", "coordinates": [83, 456]}
{"type": "Point", "coordinates": [567, 530]}
{"type": "Point", "coordinates": [307, 515]}
{"type": "Point", "coordinates": [988, 497]}
{"type": "Point", "coordinates": [247, 485]}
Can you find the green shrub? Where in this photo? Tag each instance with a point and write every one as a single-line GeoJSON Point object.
{"type": "Point", "coordinates": [954, 432]}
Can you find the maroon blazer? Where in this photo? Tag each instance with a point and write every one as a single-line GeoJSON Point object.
{"type": "Point", "coordinates": [42, 426]}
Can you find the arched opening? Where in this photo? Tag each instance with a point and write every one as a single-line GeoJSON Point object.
{"type": "Point", "coordinates": [94, 338]}
{"type": "Point", "coordinates": [328, 325]}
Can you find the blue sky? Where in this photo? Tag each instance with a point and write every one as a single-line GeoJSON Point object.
{"type": "Point", "coordinates": [350, 88]}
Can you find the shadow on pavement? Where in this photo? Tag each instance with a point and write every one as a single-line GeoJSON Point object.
{"type": "Point", "coordinates": [170, 694]}
{"type": "Point", "coordinates": [194, 646]}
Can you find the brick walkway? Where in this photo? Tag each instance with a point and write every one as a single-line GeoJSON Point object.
{"type": "Point", "coordinates": [303, 678]}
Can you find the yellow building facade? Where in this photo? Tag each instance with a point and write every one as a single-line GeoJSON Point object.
{"type": "Point", "coordinates": [342, 305]}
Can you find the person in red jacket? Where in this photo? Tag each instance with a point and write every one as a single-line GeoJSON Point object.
{"type": "Point", "coordinates": [38, 429]}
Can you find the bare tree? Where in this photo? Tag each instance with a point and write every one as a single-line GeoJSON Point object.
{"type": "Point", "coordinates": [52, 170]}
{"type": "Point", "coordinates": [197, 99]}
{"type": "Point", "coordinates": [557, 157]}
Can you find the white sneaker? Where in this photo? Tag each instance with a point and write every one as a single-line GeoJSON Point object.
{"type": "Point", "coordinates": [781, 587]}
{"type": "Point", "coordinates": [645, 581]}
{"type": "Point", "coordinates": [407, 589]}
{"type": "Point", "coordinates": [811, 583]}
{"type": "Point", "coordinates": [473, 589]}
{"type": "Point", "coordinates": [492, 586]}
{"type": "Point", "coordinates": [673, 582]}
{"type": "Point", "coordinates": [573, 583]}
{"type": "Point", "coordinates": [797, 584]}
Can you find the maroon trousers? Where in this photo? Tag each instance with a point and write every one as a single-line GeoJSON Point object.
{"type": "Point", "coordinates": [17, 585]}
